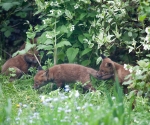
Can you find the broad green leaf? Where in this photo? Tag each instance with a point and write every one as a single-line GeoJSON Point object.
{"type": "Point", "coordinates": [7, 33]}
{"type": "Point", "coordinates": [142, 63]}
{"type": "Point", "coordinates": [64, 29]}
{"type": "Point", "coordinates": [127, 82]}
{"type": "Point", "coordinates": [98, 60]}
{"type": "Point", "coordinates": [29, 46]}
{"type": "Point", "coordinates": [48, 42]}
{"type": "Point", "coordinates": [44, 47]}
{"type": "Point", "coordinates": [82, 15]}
{"type": "Point", "coordinates": [142, 17]}
{"type": "Point", "coordinates": [30, 35]}
{"type": "Point", "coordinates": [87, 50]}
{"type": "Point", "coordinates": [63, 43]}
{"type": "Point", "coordinates": [81, 37]}
{"type": "Point", "coordinates": [85, 62]}
{"type": "Point", "coordinates": [6, 6]}
{"type": "Point", "coordinates": [71, 54]}
{"type": "Point", "coordinates": [130, 34]}
{"type": "Point", "coordinates": [68, 14]}
{"type": "Point", "coordinates": [21, 14]}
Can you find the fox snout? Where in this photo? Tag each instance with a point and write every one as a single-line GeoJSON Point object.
{"type": "Point", "coordinates": [102, 75]}
{"type": "Point", "coordinates": [36, 86]}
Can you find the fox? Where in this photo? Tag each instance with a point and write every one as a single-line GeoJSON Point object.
{"type": "Point", "coordinates": [65, 73]}
{"type": "Point", "coordinates": [20, 64]}
{"type": "Point", "coordinates": [111, 70]}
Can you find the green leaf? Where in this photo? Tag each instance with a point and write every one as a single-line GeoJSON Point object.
{"type": "Point", "coordinates": [85, 62]}
{"type": "Point", "coordinates": [68, 14]}
{"type": "Point", "coordinates": [63, 29]}
{"type": "Point", "coordinates": [142, 63]}
{"type": "Point", "coordinates": [44, 47]}
{"type": "Point", "coordinates": [87, 50]}
{"type": "Point", "coordinates": [127, 82]}
{"type": "Point", "coordinates": [130, 34]}
{"type": "Point", "coordinates": [82, 15]}
{"type": "Point", "coordinates": [29, 46]}
{"type": "Point", "coordinates": [142, 17]}
{"type": "Point", "coordinates": [63, 43]}
{"type": "Point", "coordinates": [6, 6]}
{"type": "Point", "coordinates": [7, 33]}
{"type": "Point", "coordinates": [81, 37]}
{"type": "Point", "coordinates": [71, 54]}
{"type": "Point", "coordinates": [30, 35]}
{"type": "Point", "coordinates": [21, 14]}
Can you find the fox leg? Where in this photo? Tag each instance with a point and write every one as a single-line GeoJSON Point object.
{"type": "Point", "coordinates": [88, 87]}
{"type": "Point", "coordinates": [59, 84]}
{"type": "Point", "coordinates": [86, 84]}
{"type": "Point", "coordinates": [16, 73]}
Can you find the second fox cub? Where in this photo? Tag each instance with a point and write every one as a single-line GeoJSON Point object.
{"type": "Point", "coordinates": [20, 64]}
{"type": "Point", "coordinates": [65, 73]}
{"type": "Point", "coordinates": [110, 69]}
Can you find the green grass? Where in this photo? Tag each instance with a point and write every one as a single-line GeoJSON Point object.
{"type": "Point", "coordinates": [20, 104]}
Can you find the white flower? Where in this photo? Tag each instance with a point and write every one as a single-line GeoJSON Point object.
{"type": "Point", "coordinates": [42, 98]}
{"type": "Point", "coordinates": [72, 28]}
{"type": "Point", "coordinates": [138, 72]}
{"type": "Point", "coordinates": [147, 38]}
{"type": "Point", "coordinates": [56, 3]}
{"type": "Point", "coordinates": [48, 36]}
{"type": "Point", "coordinates": [77, 94]}
{"type": "Point", "coordinates": [68, 110]}
{"type": "Point", "coordinates": [52, 11]}
{"type": "Point", "coordinates": [46, 3]}
{"type": "Point", "coordinates": [76, 6]}
{"type": "Point", "coordinates": [147, 30]}
{"type": "Point", "coordinates": [125, 67]}
{"type": "Point", "coordinates": [113, 98]}
{"type": "Point", "coordinates": [146, 47]}
{"type": "Point", "coordinates": [130, 70]}
{"type": "Point", "coordinates": [59, 12]}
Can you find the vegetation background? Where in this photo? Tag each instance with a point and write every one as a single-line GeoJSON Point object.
{"type": "Point", "coordinates": [71, 31]}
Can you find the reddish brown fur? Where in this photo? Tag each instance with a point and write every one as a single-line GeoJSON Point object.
{"type": "Point", "coordinates": [20, 63]}
{"type": "Point", "coordinates": [110, 69]}
{"type": "Point", "coordinates": [65, 73]}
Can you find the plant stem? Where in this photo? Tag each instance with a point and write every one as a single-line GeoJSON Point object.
{"type": "Point", "coordinates": [55, 47]}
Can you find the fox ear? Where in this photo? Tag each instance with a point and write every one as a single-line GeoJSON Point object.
{"type": "Point", "coordinates": [40, 68]}
{"type": "Point", "coordinates": [47, 73]}
{"type": "Point", "coordinates": [108, 64]}
{"type": "Point", "coordinates": [103, 57]}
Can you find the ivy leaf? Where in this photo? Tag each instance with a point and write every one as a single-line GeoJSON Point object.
{"type": "Point", "coordinates": [72, 53]}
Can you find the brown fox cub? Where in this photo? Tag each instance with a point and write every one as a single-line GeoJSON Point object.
{"type": "Point", "coordinates": [65, 73]}
{"type": "Point", "coordinates": [20, 63]}
{"type": "Point", "coordinates": [110, 69]}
